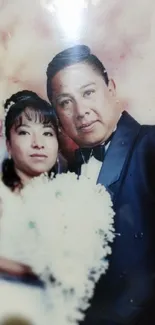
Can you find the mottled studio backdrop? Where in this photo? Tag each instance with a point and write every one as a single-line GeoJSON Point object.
{"type": "Point", "coordinates": [120, 32]}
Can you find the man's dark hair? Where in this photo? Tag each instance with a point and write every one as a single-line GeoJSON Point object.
{"type": "Point", "coordinates": [73, 55]}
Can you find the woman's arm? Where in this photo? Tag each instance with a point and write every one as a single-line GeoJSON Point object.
{"type": "Point", "coordinates": [9, 266]}
{"type": "Point", "coordinates": [13, 268]}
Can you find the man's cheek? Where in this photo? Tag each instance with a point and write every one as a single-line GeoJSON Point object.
{"type": "Point", "coordinates": [67, 122]}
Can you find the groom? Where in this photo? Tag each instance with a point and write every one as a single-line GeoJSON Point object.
{"type": "Point", "coordinates": [120, 154]}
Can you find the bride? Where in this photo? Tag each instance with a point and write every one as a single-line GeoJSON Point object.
{"type": "Point", "coordinates": [31, 139]}
{"type": "Point", "coordinates": [31, 133]}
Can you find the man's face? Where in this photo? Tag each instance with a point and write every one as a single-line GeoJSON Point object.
{"type": "Point", "coordinates": [85, 105]}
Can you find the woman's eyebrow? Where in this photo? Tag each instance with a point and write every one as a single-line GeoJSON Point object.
{"type": "Point", "coordinates": [48, 125]}
{"type": "Point", "coordinates": [21, 125]}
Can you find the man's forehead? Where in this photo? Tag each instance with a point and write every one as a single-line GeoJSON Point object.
{"type": "Point", "coordinates": [71, 78]}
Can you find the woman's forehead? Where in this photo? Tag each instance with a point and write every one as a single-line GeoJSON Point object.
{"type": "Point", "coordinates": [30, 117]}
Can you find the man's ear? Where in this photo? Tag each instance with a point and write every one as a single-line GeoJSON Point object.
{"type": "Point", "coordinates": [112, 88]}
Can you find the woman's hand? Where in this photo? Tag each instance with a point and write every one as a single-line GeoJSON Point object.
{"type": "Point", "coordinates": [13, 268]}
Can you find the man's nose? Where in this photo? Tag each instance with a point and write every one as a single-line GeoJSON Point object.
{"type": "Point", "coordinates": [82, 109]}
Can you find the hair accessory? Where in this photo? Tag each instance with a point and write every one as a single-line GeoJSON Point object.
{"type": "Point", "coordinates": [8, 108]}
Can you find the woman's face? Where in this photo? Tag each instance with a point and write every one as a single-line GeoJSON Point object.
{"type": "Point", "coordinates": [33, 147]}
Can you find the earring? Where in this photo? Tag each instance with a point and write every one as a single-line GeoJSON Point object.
{"type": "Point", "coordinates": [58, 165]}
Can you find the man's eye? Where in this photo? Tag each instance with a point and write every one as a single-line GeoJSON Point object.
{"type": "Point", "coordinates": [65, 103]}
{"type": "Point", "coordinates": [89, 92]}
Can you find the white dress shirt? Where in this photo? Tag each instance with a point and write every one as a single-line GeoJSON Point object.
{"type": "Point", "coordinates": [93, 167]}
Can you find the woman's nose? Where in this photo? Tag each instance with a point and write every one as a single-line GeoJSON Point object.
{"type": "Point", "coordinates": [37, 142]}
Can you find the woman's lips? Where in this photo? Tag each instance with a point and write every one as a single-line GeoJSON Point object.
{"type": "Point", "coordinates": [38, 156]}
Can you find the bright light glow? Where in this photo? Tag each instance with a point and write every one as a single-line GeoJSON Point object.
{"type": "Point", "coordinates": [69, 14]}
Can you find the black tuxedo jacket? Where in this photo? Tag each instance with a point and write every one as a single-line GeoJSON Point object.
{"type": "Point", "coordinates": [125, 295]}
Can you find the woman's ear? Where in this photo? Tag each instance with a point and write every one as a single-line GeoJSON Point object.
{"type": "Point", "coordinates": [8, 148]}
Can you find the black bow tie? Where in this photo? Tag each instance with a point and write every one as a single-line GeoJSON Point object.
{"type": "Point", "coordinates": [83, 155]}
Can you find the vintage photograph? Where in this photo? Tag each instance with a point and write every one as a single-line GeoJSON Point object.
{"type": "Point", "coordinates": [77, 162]}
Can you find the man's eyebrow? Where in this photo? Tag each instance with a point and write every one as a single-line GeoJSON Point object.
{"type": "Point", "coordinates": [89, 84]}
{"type": "Point", "coordinates": [68, 95]}
{"type": "Point", "coordinates": [63, 95]}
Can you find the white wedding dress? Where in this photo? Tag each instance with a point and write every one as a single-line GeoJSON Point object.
{"type": "Point", "coordinates": [21, 301]}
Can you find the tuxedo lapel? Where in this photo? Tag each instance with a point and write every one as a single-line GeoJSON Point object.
{"type": "Point", "coordinates": [119, 149]}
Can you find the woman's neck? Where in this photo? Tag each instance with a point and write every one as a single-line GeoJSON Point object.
{"type": "Point", "coordinates": [24, 178]}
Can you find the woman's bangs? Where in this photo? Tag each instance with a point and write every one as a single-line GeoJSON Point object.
{"type": "Point", "coordinates": [34, 115]}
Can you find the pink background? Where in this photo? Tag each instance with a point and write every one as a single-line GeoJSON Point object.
{"type": "Point", "coordinates": [120, 32]}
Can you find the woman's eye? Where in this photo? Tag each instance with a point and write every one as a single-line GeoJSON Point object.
{"type": "Point", "coordinates": [22, 132]}
{"type": "Point", "coordinates": [48, 134]}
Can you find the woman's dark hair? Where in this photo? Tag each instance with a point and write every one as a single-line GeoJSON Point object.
{"type": "Point", "coordinates": [73, 55]}
{"type": "Point", "coordinates": [33, 107]}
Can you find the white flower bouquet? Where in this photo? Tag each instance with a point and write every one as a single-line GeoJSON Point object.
{"type": "Point", "coordinates": [62, 228]}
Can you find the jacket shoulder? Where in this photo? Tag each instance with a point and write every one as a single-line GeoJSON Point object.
{"type": "Point", "coordinates": [148, 130]}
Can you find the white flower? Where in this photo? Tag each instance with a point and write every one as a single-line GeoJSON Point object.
{"type": "Point", "coordinates": [64, 227]}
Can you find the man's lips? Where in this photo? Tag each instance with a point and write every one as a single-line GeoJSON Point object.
{"type": "Point", "coordinates": [87, 126]}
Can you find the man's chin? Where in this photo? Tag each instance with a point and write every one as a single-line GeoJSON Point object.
{"type": "Point", "coordinates": [91, 141]}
